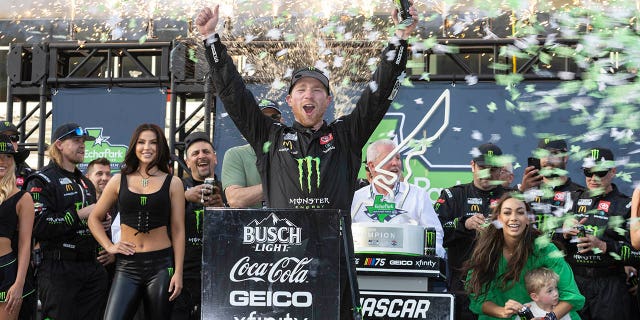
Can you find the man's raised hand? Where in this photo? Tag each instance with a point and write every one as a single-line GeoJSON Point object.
{"type": "Point", "coordinates": [207, 20]}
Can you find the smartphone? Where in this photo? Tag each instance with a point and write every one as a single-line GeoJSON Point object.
{"type": "Point", "coordinates": [533, 162]}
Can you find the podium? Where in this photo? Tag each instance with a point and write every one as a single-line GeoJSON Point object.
{"type": "Point", "coordinates": [394, 286]}
{"type": "Point", "coordinates": [270, 264]}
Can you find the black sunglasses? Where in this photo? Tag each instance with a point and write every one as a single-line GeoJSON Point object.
{"type": "Point", "coordinates": [14, 137]}
{"type": "Point", "coordinates": [78, 132]}
{"type": "Point", "coordinates": [276, 116]}
{"type": "Point", "coordinates": [588, 173]}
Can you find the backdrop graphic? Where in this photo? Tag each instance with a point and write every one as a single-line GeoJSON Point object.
{"type": "Point", "coordinates": [110, 116]}
{"type": "Point", "coordinates": [480, 113]}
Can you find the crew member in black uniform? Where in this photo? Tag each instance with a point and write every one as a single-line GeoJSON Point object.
{"type": "Point", "coordinates": [311, 164]}
{"type": "Point", "coordinates": [150, 253]}
{"type": "Point", "coordinates": [201, 160]}
{"type": "Point", "coordinates": [462, 209]}
{"type": "Point", "coordinates": [598, 256]}
{"type": "Point", "coordinates": [548, 189]}
{"type": "Point", "coordinates": [72, 284]}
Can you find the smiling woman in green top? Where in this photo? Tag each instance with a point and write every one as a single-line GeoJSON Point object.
{"type": "Point", "coordinates": [505, 250]}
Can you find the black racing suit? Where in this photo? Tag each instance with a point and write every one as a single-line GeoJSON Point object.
{"type": "Point", "coordinates": [454, 206]}
{"type": "Point", "coordinates": [71, 283]}
{"type": "Point", "coordinates": [187, 305]}
{"type": "Point", "coordinates": [22, 172]}
{"type": "Point", "coordinates": [600, 276]}
{"type": "Point", "coordinates": [299, 167]}
{"type": "Point", "coordinates": [548, 202]}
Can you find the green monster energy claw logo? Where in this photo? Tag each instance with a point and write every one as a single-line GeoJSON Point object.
{"type": "Point", "coordinates": [68, 218]}
{"type": "Point", "coordinates": [490, 153]}
{"type": "Point", "coordinates": [143, 201]}
{"type": "Point", "coordinates": [198, 214]}
{"type": "Point", "coordinates": [430, 238]}
{"type": "Point", "coordinates": [547, 140]}
{"type": "Point", "coordinates": [3, 146]}
{"type": "Point", "coordinates": [170, 270]}
{"type": "Point", "coordinates": [625, 253]}
{"type": "Point", "coordinates": [308, 164]}
{"type": "Point", "coordinates": [595, 153]}
{"type": "Point", "coordinates": [36, 196]}
{"type": "Point", "coordinates": [3, 296]}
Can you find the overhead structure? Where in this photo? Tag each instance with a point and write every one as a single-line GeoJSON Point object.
{"type": "Point", "coordinates": [35, 72]}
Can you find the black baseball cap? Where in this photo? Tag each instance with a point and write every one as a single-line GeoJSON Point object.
{"type": "Point", "coordinates": [195, 137]}
{"type": "Point", "coordinates": [6, 126]}
{"type": "Point", "coordinates": [487, 151]}
{"type": "Point", "coordinates": [6, 147]}
{"type": "Point", "coordinates": [599, 157]}
{"type": "Point", "coordinates": [309, 72]}
{"type": "Point", "coordinates": [267, 103]}
{"type": "Point", "coordinates": [70, 130]}
{"type": "Point", "coordinates": [552, 144]}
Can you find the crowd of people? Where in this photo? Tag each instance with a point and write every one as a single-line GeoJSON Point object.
{"type": "Point", "coordinates": [129, 245]}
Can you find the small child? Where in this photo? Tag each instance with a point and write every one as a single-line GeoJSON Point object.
{"type": "Point", "coordinates": [542, 285]}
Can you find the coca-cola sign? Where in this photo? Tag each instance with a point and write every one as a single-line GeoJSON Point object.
{"type": "Point", "coordinates": [285, 270]}
{"type": "Point", "coordinates": [260, 264]}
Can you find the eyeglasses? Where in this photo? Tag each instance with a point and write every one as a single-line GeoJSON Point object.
{"type": "Point", "coordinates": [588, 173]}
{"type": "Point", "coordinates": [78, 132]}
{"type": "Point", "coordinates": [14, 137]}
{"type": "Point", "coordinates": [276, 116]}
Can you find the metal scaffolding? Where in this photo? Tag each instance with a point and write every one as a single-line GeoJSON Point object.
{"type": "Point", "coordinates": [34, 71]}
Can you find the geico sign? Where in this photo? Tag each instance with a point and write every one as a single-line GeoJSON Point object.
{"type": "Point", "coordinates": [400, 263]}
{"type": "Point", "coordinates": [300, 299]}
{"type": "Point", "coordinates": [395, 308]}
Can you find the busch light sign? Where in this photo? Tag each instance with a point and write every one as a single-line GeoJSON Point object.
{"type": "Point", "coordinates": [270, 265]}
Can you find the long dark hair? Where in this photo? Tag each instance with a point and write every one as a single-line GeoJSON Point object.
{"type": "Point", "coordinates": [487, 252]}
{"type": "Point", "coordinates": [131, 162]}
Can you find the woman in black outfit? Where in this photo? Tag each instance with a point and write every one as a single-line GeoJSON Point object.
{"type": "Point", "coordinates": [16, 216]}
{"type": "Point", "coordinates": [150, 254]}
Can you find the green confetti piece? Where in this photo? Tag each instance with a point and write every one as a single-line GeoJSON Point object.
{"type": "Point", "coordinates": [492, 107]}
{"type": "Point", "coordinates": [518, 131]}
{"type": "Point", "coordinates": [142, 39]}
{"type": "Point", "coordinates": [530, 88]}
{"type": "Point", "coordinates": [396, 105]}
{"type": "Point", "coordinates": [266, 146]}
{"type": "Point", "coordinates": [473, 109]}
{"type": "Point", "coordinates": [192, 55]}
{"type": "Point", "coordinates": [624, 176]}
{"type": "Point", "coordinates": [509, 105]}
{"type": "Point", "coordinates": [509, 79]}
{"type": "Point", "coordinates": [262, 55]}
{"type": "Point", "coordinates": [499, 66]}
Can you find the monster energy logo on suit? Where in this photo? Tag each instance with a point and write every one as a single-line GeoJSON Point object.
{"type": "Point", "coordinates": [430, 242]}
{"type": "Point", "coordinates": [198, 214]}
{"type": "Point", "coordinates": [3, 146]}
{"type": "Point", "coordinates": [68, 218]}
{"type": "Point", "coordinates": [625, 253]}
{"type": "Point", "coordinates": [311, 164]}
{"type": "Point", "coordinates": [143, 201]}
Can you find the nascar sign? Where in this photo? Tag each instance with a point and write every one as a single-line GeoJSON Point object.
{"type": "Point", "coordinates": [406, 305]}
